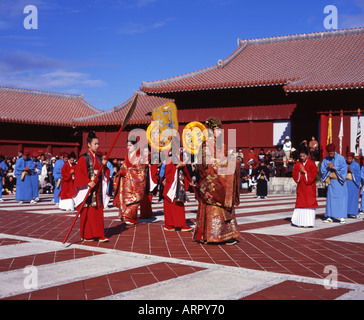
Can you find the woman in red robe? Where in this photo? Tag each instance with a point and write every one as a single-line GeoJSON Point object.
{"type": "Point", "coordinates": [304, 174]}
{"type": "Point", "coordinates": [129, 184]}
{"type": "Point", "coordinates": [151, 183]}
{"type": "Point", "coordinates": [174, 194]}
{"type": "Point", "coordinates": [92, 216]}
{"type": "Point", "coordinates": [67, 187]}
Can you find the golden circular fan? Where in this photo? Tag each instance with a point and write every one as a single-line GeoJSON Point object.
{"type": "Point", "coordinates": [193, 135]}
{"type": "Point", "coordinates": [158, 140]}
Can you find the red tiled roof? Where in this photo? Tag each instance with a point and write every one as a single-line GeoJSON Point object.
{"type": "Point", "coordinates": [145, 104]}
{"type": "Point", "coordinates": [329, 60]}
{"type": "Point", "coordinates": [39, 107]}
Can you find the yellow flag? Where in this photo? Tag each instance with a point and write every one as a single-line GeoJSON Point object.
{"type": "Point", "coordinates": [329, 130]}
{"type": "Point", "coordinates": [163, 127]}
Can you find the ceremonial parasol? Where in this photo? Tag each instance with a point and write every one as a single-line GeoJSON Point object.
{"type": "Point", "coordinates": [164, 127]}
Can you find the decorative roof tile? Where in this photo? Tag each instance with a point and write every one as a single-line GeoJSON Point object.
{"type": "Point", "coordinates": [145, 105]}
{"type": "Point", "coordinates": [330, 60]}
{"type": "Point", "coordinates": [40, 107]}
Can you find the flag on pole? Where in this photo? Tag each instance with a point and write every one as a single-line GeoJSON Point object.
{"type": "Point", "coordinates": [329, 130]}
{"type": "Point", "coordinates": [341, 132]}
{"type": "Point", "coordinates": [358, 135]}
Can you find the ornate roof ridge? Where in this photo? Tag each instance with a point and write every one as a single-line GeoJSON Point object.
{"type": "Point", "coordinates": [101, 113]}
{"type": "Point", "coordinates": [302, 36]}
{"type": "Point", "coordinates": [43, 93]}
{"type": "Point", "coordinates": [148, 84]}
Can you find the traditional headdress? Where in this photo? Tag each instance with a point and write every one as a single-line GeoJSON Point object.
{"type": "Point", "coordinates": [213, 123]}
{"type": "Point", "coordinates": [350, 154]}
{"type": "Point", "coordinates": [330, 147]}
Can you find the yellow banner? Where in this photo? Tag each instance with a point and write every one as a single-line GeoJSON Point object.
{"type": "Point", "coordinates": [163, 127]}
{"type": "Point", "coordinates": [329, 130]}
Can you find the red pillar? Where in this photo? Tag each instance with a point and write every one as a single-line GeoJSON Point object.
{"type": "Point", "coordinates": [323, 136]}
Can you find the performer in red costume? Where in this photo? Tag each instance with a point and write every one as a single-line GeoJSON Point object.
{"type": "Point", "coordinates": [151, 183]}
{"type": "Point", "coordinates": [215, 220]}
{"type": "Point", "coordinates": [174, 193]}
{"type": "Point", "coordinates": [67, 187]}
{"type": "Point", "coordinates": [129, 184]}
{"type": "Point", "coordinates": [304, 174]}
{"type": "Point", "coordinates": [92, 216]}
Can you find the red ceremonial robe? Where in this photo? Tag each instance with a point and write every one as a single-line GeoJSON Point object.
{"type": "Point", "coordinates": [306, 185]}
{"type": "Point", "coordinates": [129, 188]}
{"type": "Point", "coordinates": [215, 220]}
{"type": "Point", "coordinates": [92, 217]}
{"type": "Point", "coordinates": [146, 203]}
{"type": "Point", "coordinates": [174, 211]}
{"type": "Point", "coordinates": [67, 188]}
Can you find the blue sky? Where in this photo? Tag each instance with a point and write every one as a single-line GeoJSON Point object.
{"type": "Point", "coordinates": [104, 49]}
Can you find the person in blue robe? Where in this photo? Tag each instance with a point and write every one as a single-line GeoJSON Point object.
{"type": "Point", "coordinates": [353, 182]}
{"type": "Point", "coordinates": [334, 170]}
{"type": "Point", "coordinates": [57, 175]}
{"type": "Point", "coordinates": [24, 169]}
{"type": "Point", "coordinates": [35, 178]}
{"type": "Point", "coordinates": [3, 169]}
{"type": "Point", "coordinates": [361, 210]}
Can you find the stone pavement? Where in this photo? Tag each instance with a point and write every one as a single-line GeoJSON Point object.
{"type": "Point", "coordinates": [272, 260]}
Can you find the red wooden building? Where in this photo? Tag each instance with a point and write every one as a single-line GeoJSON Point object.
{"type": "Point", "coordinates": [272, 87]}
{"type": "Point", "coordinates": [45, 122]}
{"type": "Point", "coordinates": [40, 122]}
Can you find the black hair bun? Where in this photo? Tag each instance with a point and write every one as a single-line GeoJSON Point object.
{"type": "Point", "coordinates": [132, 139]}
{"type": "Point", "coordinates": [91, 135]}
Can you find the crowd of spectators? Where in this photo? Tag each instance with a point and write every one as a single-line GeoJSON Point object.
{"type": "Point", "coordinates": [46, 178]}
{"type": "Point", "coordinates": [280, 162]}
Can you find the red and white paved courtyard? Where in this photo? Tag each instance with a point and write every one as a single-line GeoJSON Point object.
{"type": "Point", "coordinates": [272, 260]}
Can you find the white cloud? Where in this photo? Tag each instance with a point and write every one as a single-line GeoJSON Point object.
{"type": "Point", "coordinates": [347, 21]}
{"type": "Point", "coordinates": [35, 71]}
{"type": "Point", "coordinates": [15, 8]}
{"type": "Point", "coordinates": [13, 62]}
{"type": "Point", "coordinates": [134, 28]}
{"type": "Point", "coordinates": [136, 3]}
{"type": "Point", "coordinates": [49, 81]}
{"type": "Point", "coordinates": [350, 13]}
{"type": "Point", "coordinates": [144, 3]}
{"type": "Point", "coordinates": [162, 23]}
